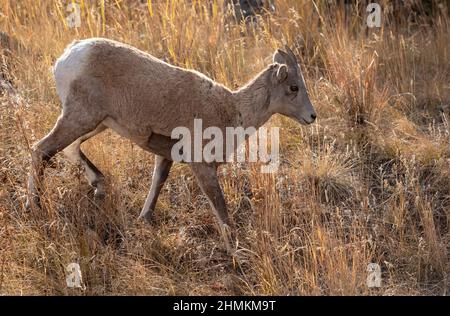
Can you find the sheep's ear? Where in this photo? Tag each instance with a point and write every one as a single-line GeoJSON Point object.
{"type": "Point", "coordinates": [282, 73]}
{"type": "Point", "coordinates": [280, 57]}
{"type": "Point", "coordinates": [291, 54]}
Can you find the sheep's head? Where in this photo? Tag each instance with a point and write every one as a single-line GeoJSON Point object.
{"type": "Point", "coordinates": [288, 94]}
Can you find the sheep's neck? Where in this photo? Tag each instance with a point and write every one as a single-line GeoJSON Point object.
{"type": "Point", "coordinates": [252, 101]}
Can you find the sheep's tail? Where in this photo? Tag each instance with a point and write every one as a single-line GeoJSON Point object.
{"type": "Point", "coordinates": [74, 42]}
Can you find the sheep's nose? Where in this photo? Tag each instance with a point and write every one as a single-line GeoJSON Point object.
{"type": "Point", "coordinates": [313, 117]}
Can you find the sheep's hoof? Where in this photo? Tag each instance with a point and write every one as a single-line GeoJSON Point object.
{"type": "Point", "coordinates": [147, 217]}
{"type": "Point", "coordinates": [33, 201]}
{"type": "Point", "coordinates": [229, 238]}
{"type": "Point", "coordinates": [28, 205]}
{"type": "Point", "coordinates": [99, 194]}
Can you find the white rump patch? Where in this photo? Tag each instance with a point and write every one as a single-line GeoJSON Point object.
{"type": "Point", "coordinates": [70, 66]}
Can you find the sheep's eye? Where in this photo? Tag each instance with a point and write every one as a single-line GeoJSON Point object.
{"type": "Point", "coordinates": [293, 88]}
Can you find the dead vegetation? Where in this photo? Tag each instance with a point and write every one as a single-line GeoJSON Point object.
{"type": "Point", "coordinates": [369, 182]}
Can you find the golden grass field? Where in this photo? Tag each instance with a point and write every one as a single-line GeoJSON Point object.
{"type": "Point", "coordinates": [367, 183]}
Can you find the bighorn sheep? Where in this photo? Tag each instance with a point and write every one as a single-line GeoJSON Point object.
{"type": "Point", "coordinates": [106, 84]}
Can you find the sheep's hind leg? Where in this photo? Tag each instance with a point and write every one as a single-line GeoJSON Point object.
{"type": "Point", "coordinates": [76, 155]}
{"type": "Point", "coordinates": [160, 174]}
{"type": "Point", "coordinates": [69, 127]}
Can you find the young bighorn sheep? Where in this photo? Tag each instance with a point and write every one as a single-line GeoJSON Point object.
{"type": "Point", "coordinates": [106, 84]}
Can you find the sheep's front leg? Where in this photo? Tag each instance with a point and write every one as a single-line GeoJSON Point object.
{"type": "Point", "coordinates": [206, 175]}
{"type": "Point", "coordinates": [160, 174]}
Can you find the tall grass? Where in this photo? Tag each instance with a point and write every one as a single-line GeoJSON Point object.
{"type": "Point", "coordinates": [368, 183]}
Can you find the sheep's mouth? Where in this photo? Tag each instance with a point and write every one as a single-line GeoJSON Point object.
{"type": "Point", "coordinates": [302, 121]}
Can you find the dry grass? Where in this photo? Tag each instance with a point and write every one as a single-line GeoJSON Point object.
{"type": "Point", "coordinates": [369, 182]}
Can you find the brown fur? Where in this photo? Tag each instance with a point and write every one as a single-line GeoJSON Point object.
{"type": "Point", "coordinates": [144, 99]}
{"type": "Point", "coordinates": [143, 94]}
